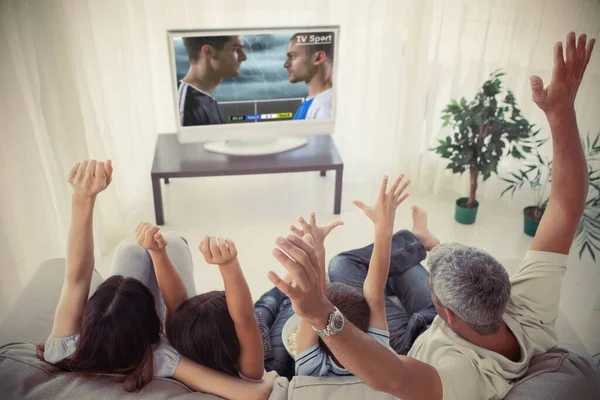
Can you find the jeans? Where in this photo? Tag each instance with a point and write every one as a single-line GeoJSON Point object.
{"type": "Point", "coordinates": [407, 280]}
{"type": "Point", "coordinates": [132, 260]}
{"type": "Point", "coordinates": [276, 309]}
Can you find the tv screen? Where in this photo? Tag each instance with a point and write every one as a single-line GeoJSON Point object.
{"type": "Point", "coordinates": [249, 78]}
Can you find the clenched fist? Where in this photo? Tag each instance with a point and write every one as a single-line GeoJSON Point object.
{"type": "Point", "coordinates": [149, 237]}
{"type": "Point", "coordinates": [218, 251]}
{"type": "Point", "coordinates": [88, 178]}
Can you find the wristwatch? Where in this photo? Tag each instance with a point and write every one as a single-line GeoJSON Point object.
{"type": "Point", "coordinates": [335, 324]}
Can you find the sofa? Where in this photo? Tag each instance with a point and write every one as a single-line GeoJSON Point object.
{"type": "Point", "coordinates": [556, 375]}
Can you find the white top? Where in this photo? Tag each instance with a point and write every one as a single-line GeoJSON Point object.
{"type": "Point", "coordinates": [314, 361]}
{"type": "Point", "coordinates": [321, 105]}
{"type": "Point", "coordinates": [166, 358]}
{"type": "Point", "coordinates": [471, 372]}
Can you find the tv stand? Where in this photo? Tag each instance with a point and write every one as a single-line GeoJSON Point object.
{"type": "Point", "coordinates": [254, 147]}
{"type": "Point", "coordinates": [178, 160]}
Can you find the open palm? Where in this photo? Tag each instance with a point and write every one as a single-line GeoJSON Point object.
{"type": "Point", "coordinates": [566, 76]}
{"type": "Point", "coordinates": [383, 212]}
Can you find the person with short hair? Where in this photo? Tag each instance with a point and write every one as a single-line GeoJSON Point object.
{"type": "Point", "coordinates": [310, 60]}
{"type": "Point", "coordinates": [488, 327]}
{"type": "Point", "coordinates": [212, 58]}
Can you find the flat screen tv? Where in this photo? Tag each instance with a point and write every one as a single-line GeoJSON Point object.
{"type": "Point", "coordinates": [254, 91]}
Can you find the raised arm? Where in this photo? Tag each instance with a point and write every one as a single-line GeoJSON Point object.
{"type": "Point", "coordinates": [87, 179]}
{"type": "Point", "coordinates": [569, 186]}
{"type": "Point", "coordinates": [223, 253]}
{"type": "Point", "coordinates": [382, 213]}
{"type": "Point", "coordinates": [378, 367]}
{"type": "Point", "coordinates": [207, 380]}
{"type": "Point", "coordinates": [172, 287]}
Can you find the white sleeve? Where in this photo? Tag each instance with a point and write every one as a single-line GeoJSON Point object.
{"type": "Point", "coordinates": [166, 359]}
{"type": "Point", "coordinates": [380, 335]}
{"type": "Point", "coordinates": [536, 286]}
{"type": "Point", "coordinates": [312, 362]}
{"type": "Point", "coordinates": [460, 379]}
{"type": "Point", "coordinates": [58, 348]}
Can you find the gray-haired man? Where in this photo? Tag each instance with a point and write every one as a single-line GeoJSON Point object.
{"type": "Point", "coordinates": [488, 326]}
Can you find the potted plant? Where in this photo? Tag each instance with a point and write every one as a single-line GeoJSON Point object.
{"type": "Point", "coordinates": [538, 176]}
{"type": "Point", "coordinates": [485, 129]}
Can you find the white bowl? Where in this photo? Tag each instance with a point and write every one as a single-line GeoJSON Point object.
{"type": "Point", "coordinates": [290, 326]}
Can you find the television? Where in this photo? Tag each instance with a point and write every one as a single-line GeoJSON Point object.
{"type": "Point", "coordinates": [253, 91]}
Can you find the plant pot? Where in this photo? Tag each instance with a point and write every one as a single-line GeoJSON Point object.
{"type": "Point", "coordinates": [530, 223]}
{"type": "Point", "coordinates": [465, 215]}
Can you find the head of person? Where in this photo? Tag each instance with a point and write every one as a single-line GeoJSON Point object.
{"type": "Point", "coordinates": [202, 330]}
{"type": "Point", "coordinates": [470, 288]}
{"type": "Point", "coordinates": [119, 326]}
{"type": "Point", "coordinates": [352, 305]}
{"type": "Point", "coordinates": [307, 54]}
{"type": "Point", "coordinates": [221, 54]}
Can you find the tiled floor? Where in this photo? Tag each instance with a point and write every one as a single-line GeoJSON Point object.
{"type": "Point", "coordinates": [253, 210]}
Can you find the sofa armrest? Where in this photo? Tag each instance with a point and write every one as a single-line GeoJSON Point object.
{"type": "Point", "coordinates": [32, 315]}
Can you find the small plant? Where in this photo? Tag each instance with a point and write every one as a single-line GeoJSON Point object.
{"type": "Point", "coordinates": [485, 129]}
{"type": "Point", "coordinates": [538, 175]}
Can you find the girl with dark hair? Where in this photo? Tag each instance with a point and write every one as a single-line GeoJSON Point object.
{"type": "Point", "coordinates": [222, 329]}
{"type": "Point", "coordinates": [118, 330]}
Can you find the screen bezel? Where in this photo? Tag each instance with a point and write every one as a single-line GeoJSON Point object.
{"type": "Point", "coordinates": [273, 129]}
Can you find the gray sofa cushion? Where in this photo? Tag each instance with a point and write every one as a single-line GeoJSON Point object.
{"type": "Point", "coordinates": [24, 376]}
{"type": "Point", "coordinates": [558, 374]}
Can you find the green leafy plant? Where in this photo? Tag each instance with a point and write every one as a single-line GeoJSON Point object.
{"type": "Point", "coordinates": [485, 129]}
{"type": "Point", "coordinates": [538, 175]}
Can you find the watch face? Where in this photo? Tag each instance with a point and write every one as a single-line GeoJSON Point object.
{"type": "Point", "coordinates": [338, 322]}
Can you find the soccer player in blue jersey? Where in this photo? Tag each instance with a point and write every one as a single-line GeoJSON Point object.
{"type": "Point", "coordinates": [310, 60]}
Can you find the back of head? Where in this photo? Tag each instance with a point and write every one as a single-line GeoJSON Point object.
{"type": "Point", "coordinates": [471, 283]}
{"type": "Point", "coordinates": [193, 45]}
{"type": "Point", "coordinates": [119, 327]}
{"type": "Point", "coordinates": [202, 330]}
{"type": "Point", "coordinates": [351, 303]}
{"type": "Point", "coordinates": [316, 41]}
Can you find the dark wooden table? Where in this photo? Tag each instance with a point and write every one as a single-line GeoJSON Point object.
{"type": "Point", "coordinates": [175, 160]}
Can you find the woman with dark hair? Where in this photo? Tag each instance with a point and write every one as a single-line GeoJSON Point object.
{"type": "Point", "coordinates": [222, 329]}
{"type": "Point", "coordinates": [118, 329]}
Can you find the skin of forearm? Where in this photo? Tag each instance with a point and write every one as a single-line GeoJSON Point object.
{"type": "Point", "coordinates": [80, 243]}
{"type": "Point", "coordinates": [172, 287]}
{"type": "Point", "coordinates": [239, 298]}
{"type": "Point", "coordinates": [569, 169]}
{"type": "Point", "coordinates": [379, 266]}
{"type": "Point", "coordinates": [307, 337]}
{"type": "Point", "coordinates": [241, 310]}
{"type": "Point", "coordinates": [204, 379]}
{"type": "Point", "coordinates": [368, 360]}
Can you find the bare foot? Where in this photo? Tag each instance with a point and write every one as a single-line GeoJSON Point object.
{"type": "Point", "coordinates": [421, 230]}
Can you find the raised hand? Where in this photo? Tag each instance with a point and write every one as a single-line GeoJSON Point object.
{"type": "Point", "coordinates": [317, 233]}
{"type": "Point", "coordinates": [149, 237]}
{"type": "Point", "coordinates": [307, 297]}
{"type": "Point", "coordinates": [559, 96]}
{"type": "Point", "coordinates": [218, 251]}
{"type": "Point", "coordinates": [88, 178]}
{"type": "Point", "coordinates": [383, 212]}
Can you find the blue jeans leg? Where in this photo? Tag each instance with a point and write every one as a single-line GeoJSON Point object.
{"type": "Point", "coordinates": [407, 280]}
{"type": "Point", "coordinates": [276, 309]}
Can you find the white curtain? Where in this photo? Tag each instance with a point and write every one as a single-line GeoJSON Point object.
{"type": "Point", "coordinates": [90, 79]}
